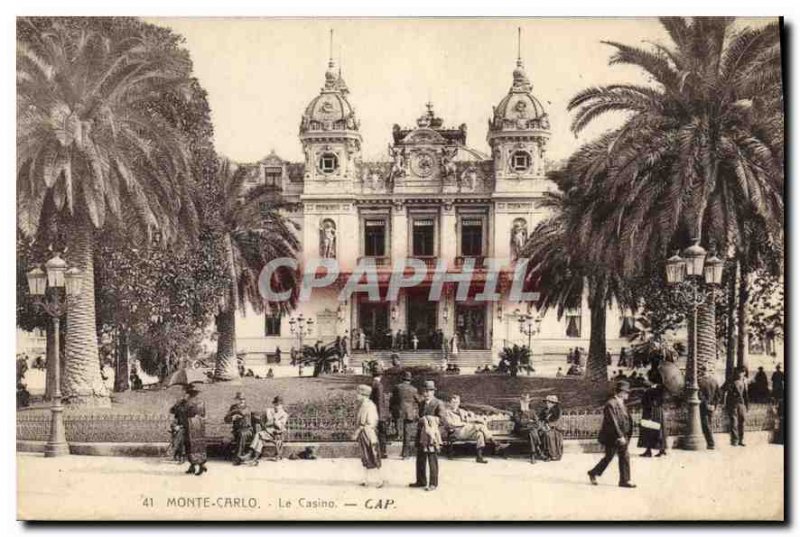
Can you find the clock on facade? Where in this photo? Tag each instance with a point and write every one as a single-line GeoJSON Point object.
{"type": "Point", "coordinates": [423, 164]}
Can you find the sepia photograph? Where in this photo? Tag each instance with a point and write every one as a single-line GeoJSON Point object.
{"type": "Point", "coordinates": [400, 269]}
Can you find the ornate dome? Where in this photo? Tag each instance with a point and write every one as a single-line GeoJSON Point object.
{"type": "Point", "coordinates": [519, 109]}
{"type": "Point", "coordinates": [330, 110]}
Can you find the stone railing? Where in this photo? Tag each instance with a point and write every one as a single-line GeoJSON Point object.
{"type": "Point", "coordinates": [575, 425]}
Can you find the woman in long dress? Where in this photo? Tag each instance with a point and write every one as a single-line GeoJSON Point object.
{"type": "Point", "coordinates": [195, 427]}
{"type": "Point", "coordinates": [177, 446]}
{"type": "Point", "coordinates": [366, 435]}
{"type": "Point", "coordinates": [652, 434]}
{"type": "Point", "coordinates": [551, 438]}
{"type": "Point", "coordinates": [454, 345]}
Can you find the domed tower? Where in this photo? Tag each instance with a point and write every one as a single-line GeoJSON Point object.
{"type": "Point", "coordinates": [330, 137]}
{"type": "Point", "coordinates": [518, 135]}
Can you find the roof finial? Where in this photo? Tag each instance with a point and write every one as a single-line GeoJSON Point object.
{"type": "Point", "coordinates": [330, 47]}
{"type": "Point", "coordinates": [519, 43]}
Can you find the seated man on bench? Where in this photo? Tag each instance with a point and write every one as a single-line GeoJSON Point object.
{"type": "Point", "coordinates": [270, 430]}
{"type": "Point", "coordinates": [463, 425]}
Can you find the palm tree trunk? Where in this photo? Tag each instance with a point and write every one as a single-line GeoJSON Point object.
{"type": "Point", "coordinates": [122, 371]}
{"type": "Point", "coordinates": [741, 318]}
{"type": "Point", "coordinates": [596, 365]}
{"type": "Point", "coordinates": [226, 367]}
{"type": "Point", "coordinates": [706, 337]}
{"type": "Point", "coordinates": [83, 384]}
{"type": "Point", "coordinates": [730, 329]}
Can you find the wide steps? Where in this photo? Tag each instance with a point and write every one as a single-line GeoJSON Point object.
{"type": "Point", "coordinates": [464, 359]}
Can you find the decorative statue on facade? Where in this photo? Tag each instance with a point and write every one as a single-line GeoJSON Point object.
{"type": "Point", "coordinates": [398, 163]}
{"type": "Point", "coordinates": [327, 245]}
{"type": "Point", "coordinates": [448, 164]}
{"type": "Point", "coordinates": [519, 236]}
{"type": "Point", "coordinates": [469, 180]}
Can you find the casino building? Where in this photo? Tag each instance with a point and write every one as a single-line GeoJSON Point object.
{"type": "Point", "coordinates": [434, 199]}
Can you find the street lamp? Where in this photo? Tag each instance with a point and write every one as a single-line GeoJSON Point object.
{"type": "Point", "coordinates": [56, 278]}
{"type": "Point", "coordinates": [686, 274]}
{"type": "Point", "coordinates": [529, 325]}
{"type": "Point", "coordinates": [301, 326]}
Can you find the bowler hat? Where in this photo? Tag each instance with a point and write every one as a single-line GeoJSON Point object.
{"type": "Point", "coordinates": [429, 386]}
{"type": "Point", "coordinates": [407, 375]}
{"type": "Point", "coordinates": [239, 395]}
{"type": "Point", "coordinates": [552, 399]}
{"type": "Point", "coordinates": [192, 388]}
{"type": "Point", "coordinates": [622, 386]}
{"type": "Point", "coordinates": [278, 400]}
{"type": "Point", "coordinates": [363, 389]}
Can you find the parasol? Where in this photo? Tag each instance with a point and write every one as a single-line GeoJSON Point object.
{"type": "Point", "coordinates": [186, 376]}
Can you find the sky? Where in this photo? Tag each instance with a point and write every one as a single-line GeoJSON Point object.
{"type": "Point", "coordinates": [261, 73]}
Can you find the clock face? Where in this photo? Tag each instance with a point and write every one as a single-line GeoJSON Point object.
{"type": "Point", "coordinates": [423, 164]}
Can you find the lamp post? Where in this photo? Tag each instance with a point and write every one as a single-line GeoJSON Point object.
{"type": "Point", "coordinates": [529, 325]}
{"type": "Point", "coordinates": [686, 274]}
{"type": "Point", "coordinates": [301, 327]}
{"type": "Point", "coordinates": [50, 289]}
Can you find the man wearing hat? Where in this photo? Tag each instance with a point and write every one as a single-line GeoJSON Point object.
{"type": "Point", "coordinates": [465, 425]}
{"type": "Point", "coordinates": [431, 411]}
{"type": "Point", "coordinates": [526, 424]}
{"type": "Point", "coordinates": [377, 398]}
{"type": "Point", "coordinates": [404, 406]}
{"type": "Point", "coordinates": [269, 429]}
{"type": "Point", "coordinates": [240, 416]}
{"type": "Point", "coordinates": [615, 434]}
{"type": "Point", "coordinates": [366, 435]}
{"type": "Point", "coordinates": [736, 401]}
{"type": "Point", "coordinates": [709, 394]}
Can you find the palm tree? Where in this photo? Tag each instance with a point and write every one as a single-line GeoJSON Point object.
{"type": "Point", "coordinates": [700, 153]}
{"type": "Point", "coordinates": [254, 233]}
{"type": "Point", "coordinates": [559, 252]}
{"type": "Point", "coordinates": [513, 358]}
{"type": "Point", "coordinates": [88, 137]}
{"type": "Point", "coordinates": [322, 357]}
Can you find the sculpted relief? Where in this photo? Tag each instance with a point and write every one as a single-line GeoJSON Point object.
{"type": "Point", "coordinates": [327, 239]}
{"type": "Point", "coordinates": [519, 236]}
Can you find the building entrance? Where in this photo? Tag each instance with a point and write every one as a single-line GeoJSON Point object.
{"type": "Point", "coordinates": [471, 326]}
{"type": "Point", "coordinates": [373, 320]}
{"type": "Point", "coordinates": [421, 321]}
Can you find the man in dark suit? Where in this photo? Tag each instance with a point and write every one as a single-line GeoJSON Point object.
{"type": "Point", "coordinates": [377, 397]}
{"type": "Point", "coordinates": [615, 434]}
{"type": "Point", "coordinates": [427, 452]}
{"type": "Point", "coordinates": [240, 416]}
{"type": "Point", "coordinates": [736, 401]}
{"type": "Point", "coordinates": [709, 397]}
{"type": "Point", "coordinates": [404, 406]}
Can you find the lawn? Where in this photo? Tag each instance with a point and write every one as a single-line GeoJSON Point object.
{"type": "Point", "coordinates": [499, 391]}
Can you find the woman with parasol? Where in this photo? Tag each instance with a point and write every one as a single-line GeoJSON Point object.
{"type": "Point", "coordinates": [190, 415]}
{"type": "Point", "coordinates": [195, 431]}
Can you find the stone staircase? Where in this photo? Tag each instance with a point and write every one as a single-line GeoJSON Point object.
{"type": "Point", "coordinates": [465, 359]}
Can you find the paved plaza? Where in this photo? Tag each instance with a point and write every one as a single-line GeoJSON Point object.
{"type": "Point", "coordinates": [729, 483]}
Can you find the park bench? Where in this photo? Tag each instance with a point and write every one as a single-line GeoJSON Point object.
{"type": "Point", "coordinates": [502, 435]}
